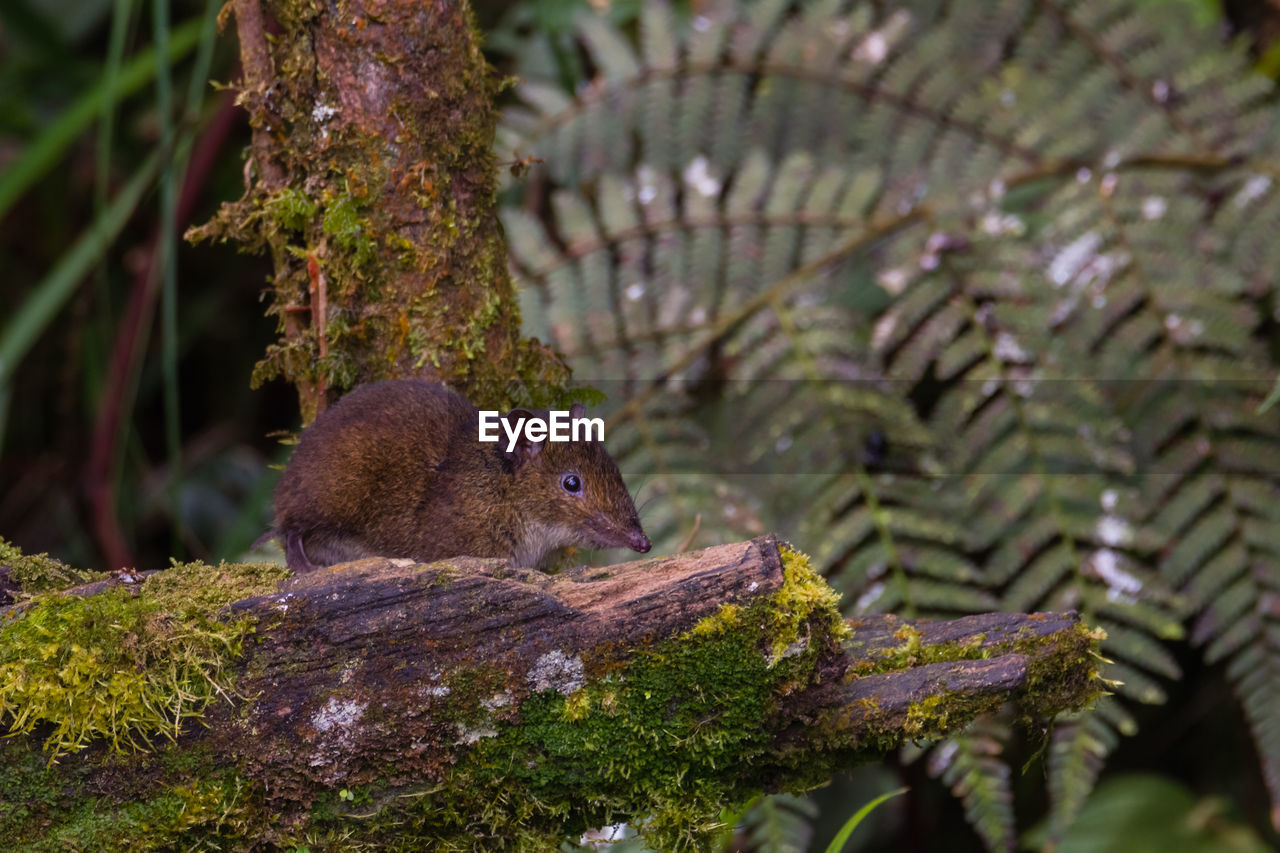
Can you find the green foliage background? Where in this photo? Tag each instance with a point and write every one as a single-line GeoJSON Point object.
{"type": "Point", "coordinates": [973, 301]}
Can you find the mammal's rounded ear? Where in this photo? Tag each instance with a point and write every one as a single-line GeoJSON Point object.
{"type": "Point", "coordinates": [577, 410]}
{"type": "Point", "coordinates": [525, 450]}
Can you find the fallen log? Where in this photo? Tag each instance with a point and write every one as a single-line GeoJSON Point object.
{"type": "Point", "coordinates": [469, 705]}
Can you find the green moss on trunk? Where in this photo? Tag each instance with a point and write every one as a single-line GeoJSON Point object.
{"type": "Point", "coordinates": [378, 206]}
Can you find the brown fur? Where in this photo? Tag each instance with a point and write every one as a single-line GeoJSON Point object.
{"type": "Point", "coordinates": [396, 469]}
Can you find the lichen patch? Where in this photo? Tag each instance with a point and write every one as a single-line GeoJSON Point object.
{"type": "Point", "coordinates": [338, 713]}
{"type": "Point", "coordinates": [471, 735]}
{"type": "Point", "coordinates": [557, 671]}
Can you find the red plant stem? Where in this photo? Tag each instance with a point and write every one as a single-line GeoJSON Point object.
{"type": "Point", "coordinates": [131, 337]}
{"type": "Point", "coordinates": [319, 293]}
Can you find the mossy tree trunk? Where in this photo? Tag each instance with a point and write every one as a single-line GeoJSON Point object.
{"type": "Point", "coordinates": [371, 183]}
{"type": "Point", "coordinates": [467, 705]}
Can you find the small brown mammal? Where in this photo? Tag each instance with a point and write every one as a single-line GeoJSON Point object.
{"type": "Point", "coordinates": [396, 469]}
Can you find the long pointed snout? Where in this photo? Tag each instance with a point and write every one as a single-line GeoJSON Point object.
{"type": "Point", "coordinates": [637, 541]}
{"type": "Point", "coordinates": [613, 534]}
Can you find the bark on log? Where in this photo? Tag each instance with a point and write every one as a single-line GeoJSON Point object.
{"type": "Point", "coordinates": [468, 704]}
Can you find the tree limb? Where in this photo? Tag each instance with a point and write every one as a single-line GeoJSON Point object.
{"type": "Point", "coordinates": [466, 701]}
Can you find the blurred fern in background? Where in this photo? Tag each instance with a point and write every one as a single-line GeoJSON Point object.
{"type": "Point", "coordinates": [974, 301]}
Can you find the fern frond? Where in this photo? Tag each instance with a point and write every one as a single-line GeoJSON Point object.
{"type": "Point", "coordinates": [970, 299]}
{"type": "Point", "coordinates": [972, 765]}
{"type": "Point", "coordinates": [1079, 747]}
{"type": "Point", "coordinates": [780, 823]}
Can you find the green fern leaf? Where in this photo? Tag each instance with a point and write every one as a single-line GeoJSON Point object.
{"type": "Point", "coordinates": [973, 767]}
{"type": "Point", "coordinates": [969, 299]}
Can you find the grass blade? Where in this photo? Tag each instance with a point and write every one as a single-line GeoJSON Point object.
{"type": "Point", "coordinates": [53, 291]}
{"type": "Point", "coordinates": [168, 236]}
{"type": "Point", "coordinates": [43, 152]}
{"type": "Point", "coordinates": [842, 837]}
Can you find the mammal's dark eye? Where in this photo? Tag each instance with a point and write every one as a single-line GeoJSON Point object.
{"type": "Point", "coordinates": [571, 483]}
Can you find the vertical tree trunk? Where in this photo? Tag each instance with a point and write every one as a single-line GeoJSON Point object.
{"type": "Point", "coordinates": [372, 185]}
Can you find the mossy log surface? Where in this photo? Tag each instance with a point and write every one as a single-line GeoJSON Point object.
{"type": "Point", "coordinates": [468, 705]}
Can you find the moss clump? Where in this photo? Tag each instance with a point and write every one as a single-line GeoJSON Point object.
{"type": "Point", "coordinates": [1054, 682]}
{"type": "Point", "coordinates": [169, 801]}
{"type": "Point", "coordinates": [928, 716]}
{"type": "Point", "coordinates": [207, 815]}
{"type": "Point", "coordinates": [1071, 648]}
{"type": "Point", "coordinates": [342, 222]}
{"type": "Point", "coordinates": [1062, 675]}
{"type": "Point", "coordinates": [29, 790]}
{"type": "Point", "coordinates": [290, 208]}
{"type": "Point", "coordinates": [804, 595]}
{"type": "Point", "coordinates": [40, 572]}
{"type": "Point", "coordinates": [128, 663]}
